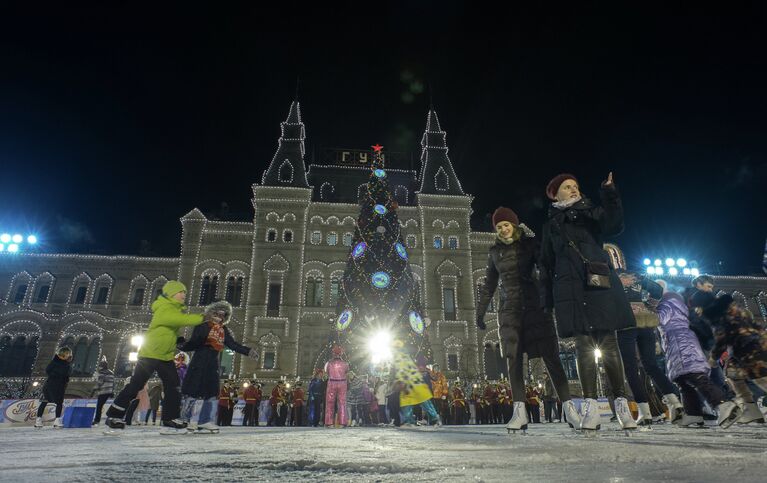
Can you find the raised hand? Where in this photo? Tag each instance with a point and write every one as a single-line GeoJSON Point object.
{"type": "Point", "coordinates": [609, 180]}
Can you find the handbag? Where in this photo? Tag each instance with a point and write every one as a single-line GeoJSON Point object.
{"type": "Point", "coordinates": [597, 273]}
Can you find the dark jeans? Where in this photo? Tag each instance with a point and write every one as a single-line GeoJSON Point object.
{"type": "Point", "coordinates": [693, 384]}
{"type": "Point", "coordinates": [99, 406]}
{"type": "Point", "coordinates": [587, 367]}
{"type": "Point", "coordinates": [153, 414]}
{"type": "Point", "coordinates": [533, 413]}
{"type": "Point", "coordinates": [549, 410]}
{"type": "Point", "coordinates": [315, 411]}
{"type": "Point", "coordinates": [393, 403]}
{"type": "Point", "coordinates": [298, 415]}
{"type": "Point", "coordinates": [166, 371]}
{"type": "Point", "coordinates": [59, 407]}
{"type": "Point", "coordinates": [644, 339]}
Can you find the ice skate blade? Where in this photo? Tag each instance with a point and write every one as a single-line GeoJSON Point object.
{"type": "Point", "coordinates": [514, 431]}
{"type": "Point", "coordinates": [205, 431]}
{"type": "Point", "coordinates": [173, 431]}
{"type": "Point", "coordinates": [112, 432]}
{"type": "Point", "coordinates": [589, 433]}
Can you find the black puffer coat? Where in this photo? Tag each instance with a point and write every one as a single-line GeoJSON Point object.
{"type": "Point", "coordinates": [520, 310]}
{"type": "Point", "coordinates": [58, 371]}
{"type": "Point", "coordinates": [582, 310]}
{"type": "Point", "coordinates": [202, 378]}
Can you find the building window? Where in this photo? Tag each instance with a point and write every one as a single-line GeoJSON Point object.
{"type": "Point", "coordinates": [452, 242]}
{"type": "Point", "coordinates": [101, 296]}
{"type": "Point", "coordinates": [316, 238]}
{"type": "Point", "coordinates": [448, 303]}
{"type": "Point", "coordinates": [273, 300]}
{"type": "Point", "coordinates": [437, 242]}
{"type": "Point", "coordinates": [313, 292]}
{"type": "Point", "coordinates": [411, 241]}
{"type": "Point", "coordinates": [269, 360]}
{"type": "Point", "coordinates": [347, 239]}
{"type": "Point", "coordinates": [452, 362]}
{"type": "Point", "coordinates": [85, 355]}
{"type": "Point", "coordinates": [335, 288]}
{"type": "Point", "coordinates": [287, 236]}
{"type": "Point", "coordinates": [80, 295]}
{"type": "Point", "coordinates": [208, 289]}
{"type": "Point", "coordinates": [138, 297]}
{"type": "Point", "coordinates": [21, 292]}
{"type": "Point", "coordinates": [234, 290]}
{"type": "Point", "coordinates": [42, 294]}
{"type": "Point", "coordinates": [332, 239]}
{"type": "Point", "coordinates": [271, 236]}
{"type": "Point", "coordinates": [17, 355]}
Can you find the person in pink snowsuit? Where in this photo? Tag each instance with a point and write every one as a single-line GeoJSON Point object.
{"type": "Point", "coordinates": [336, 369]}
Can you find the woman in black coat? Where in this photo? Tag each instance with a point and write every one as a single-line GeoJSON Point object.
{"type": "Point", "coordinates": [202, 378]}
{"type": "Point", "coordinates": [572, 236]}
{"type": "Point", "coordinates": [523, 326]}
{"type": "Point", "coordinates": [55, 386]}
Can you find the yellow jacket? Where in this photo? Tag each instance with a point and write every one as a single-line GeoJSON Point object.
{"type": "Point", "coordinates": [414, 390]}
{"type": "Point", "coordinates": [438, 384]}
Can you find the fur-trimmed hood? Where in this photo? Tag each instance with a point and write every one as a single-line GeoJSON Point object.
{"type": "Point", "coordinates": [219, 306]}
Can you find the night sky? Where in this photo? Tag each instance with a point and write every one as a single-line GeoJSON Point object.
{"type": "Point", "coordinates": [116, 122]}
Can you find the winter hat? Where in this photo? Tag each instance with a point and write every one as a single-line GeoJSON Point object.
{"type": "Point", "coordinates": [64, 352]}
{"type": "Point", "coordinates": [556, 182]}
{"type": "Point", "coordinates": [220, 306]}
{"type": "Point", "coordinates": [173, 287]}
{"type": "Point", "coordinates": [505, 214]}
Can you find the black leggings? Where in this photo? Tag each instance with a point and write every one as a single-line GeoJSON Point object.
{"type": "Point", "coordinates": [693, 384]}
{"type": "Point", "coordinates": [166, 371]}
{"type": "Point", "coordinates": [59, 407]}
{"type": "Point", "coordinates": [587, 366]}
{"type": "Point", "coordinates": [644, 339]}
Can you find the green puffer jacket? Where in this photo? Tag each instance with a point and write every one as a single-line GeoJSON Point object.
{"type": "Point", "coordinates": [168, 317]}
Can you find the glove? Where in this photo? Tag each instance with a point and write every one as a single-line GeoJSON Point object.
{"type": "Point", "coordinates": [481, 324]}
{"type": "Point", "coordinates": [253, 354]}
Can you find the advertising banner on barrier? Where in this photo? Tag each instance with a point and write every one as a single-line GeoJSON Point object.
{"type": "Point", "coordinates": [22, 412]}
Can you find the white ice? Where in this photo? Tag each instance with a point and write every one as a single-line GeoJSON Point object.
{"type": "Point", "coordinates": [550, 452]}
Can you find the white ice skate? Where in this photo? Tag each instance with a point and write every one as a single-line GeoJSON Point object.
{"type": "Point", "coordinates": [207, 428]}
{"type": "Point", "coordinates": [645, 415]}
{"type": "Point", "coordinates": [571, 414]}
{"type": "Point", "coordinates": [728, 412]}
{"type": "Point", "coordinates": [687, 421]}
{"type": "Point", "coordinates": [518, 419]}
{"type": "Point", "coordinates": [57, 423]}
{"type": "Point", "coordinates": [622, 411]}
{"type": "Point", "coordinates": [751, 414]}
{"type": "Point", "coordinates": [173, 426]}
{"type": "Point", "coordinates": [675, 408]}
{"type": "Point", "coordinates": [38, 423]}
{"type": "Point", "coordinates": [590, 420]}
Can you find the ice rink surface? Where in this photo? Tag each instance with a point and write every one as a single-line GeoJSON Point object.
{"type": "Point", "coordinates": [550, 452]}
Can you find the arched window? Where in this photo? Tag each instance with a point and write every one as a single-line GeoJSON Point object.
{"type": "Point", "coordinates": [493, 361]}
{"type": "Point", "coordinates": [313, 291]}
{"type": "Point", "coordinates": [271, 235]}
{"type": "Point", "coordinates": [208, 289]}
{"type": "Point", "coordinates": [452, 242]}
{"type": "Point", "coordinates": [332, 238]}
{"type": "Point", "coordinates": [17, 355]}
{"type": "Point", "coordinates": [335, 289]}
{"type": "Point", "coordinates": [234, 290]}
{"type": "Point", "coordinates": [347, 239]}
{"type": "Point", "coordinates": [287, 236]}
{"type": "Point", "coordinates": [21, 292]}
{"type": "Point", "coordinates": [410, 241]}
{"type": "Point", "coordinates": [316, 238]}
{"type": "Point", "coordinates": [437, 242]}
{"type": "Point", "coordinates": [285, 173]}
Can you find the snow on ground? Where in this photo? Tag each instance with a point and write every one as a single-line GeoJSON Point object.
{"type": "Point", "coordinates": [551, 452]}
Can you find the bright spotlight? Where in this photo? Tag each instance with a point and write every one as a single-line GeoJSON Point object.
{"type": "Point", "coordinates": [658, 262]}
{"type": "Point", "coordinates": [18, 238]}
{"type": "Point", "coordinates": [5, 238]}
{"type": "Point", "coordinates": [287, 386]}
{"type": "Point", "coordinates": [31, 239]}
{"type": "Point", "coordinates": [673, 271]}
{"type": "Point", "coordinates": [686, 271]}
{"type": "Point", "coordinates": [133, 357]}
{"type": "Point", "coordinates": [597, 353]}
{"type": "Point", "coordinates": [647, 261]}
{"type": "Point", "coordinates": [137, 341]}
{"type": "Point", "coordinates": [670, 262]}
{"type": "Point", "coordinates": [13, 248]}
{"type": "Point", "coordinates": [2, 247]}
{"type": "Point", "coordinates": [379, 346]}
{"type": "Point", "coordinates": [681, 262]}
{"type": "Point", "coordinates": [245, 384]}
{"type": "Point", "coordinates": [694, 272]}
{"type": "Point", "coordinates": [650, 270]}
{"type": "Point", "coordinates": [659, 271]}
{"type": "Point", "coordinates": [35, 384]}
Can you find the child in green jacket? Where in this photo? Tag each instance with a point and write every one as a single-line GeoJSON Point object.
{"type": "Point", "coordinates": [157, 355]}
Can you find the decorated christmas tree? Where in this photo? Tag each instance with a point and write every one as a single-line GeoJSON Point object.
{"type": "Point", "coordinates": [378, 299]}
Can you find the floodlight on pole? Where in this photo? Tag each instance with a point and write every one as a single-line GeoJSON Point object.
{"type": "Point", "coordinates": [673, 271]}
{"type": "Point", "coordinates": [670, 262]}
{"type": "Point", "coordinates": [17, 238]}
{"type": "Point", "coordinates": [650, 270]}
{"type": "Point", "coordinates": [5, 238]}
{"type": "Point", "coordinates": [137, 341]}
{"type": "Point", "coordinates": [647, 262]}
{"type": "Point", "coordinates": [681, 262]}
{"type": "Point", "coordinates": [658, 262]}
{"type": "Point", "coordinates": [133, 357]}
{"type": "Point", "coordinates": [31, 239]}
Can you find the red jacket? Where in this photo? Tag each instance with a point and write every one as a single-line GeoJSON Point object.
{"type": "Point", "coordinates": [277, 396]}
{"type": "Point", "coordinates": [252, 395]}
{"type": "Point", "coordinates": [458, 398]}
{"type": "Point", "coordinates": [223, 397]}
{"type": "Point", "coordinates": [298, 397]}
